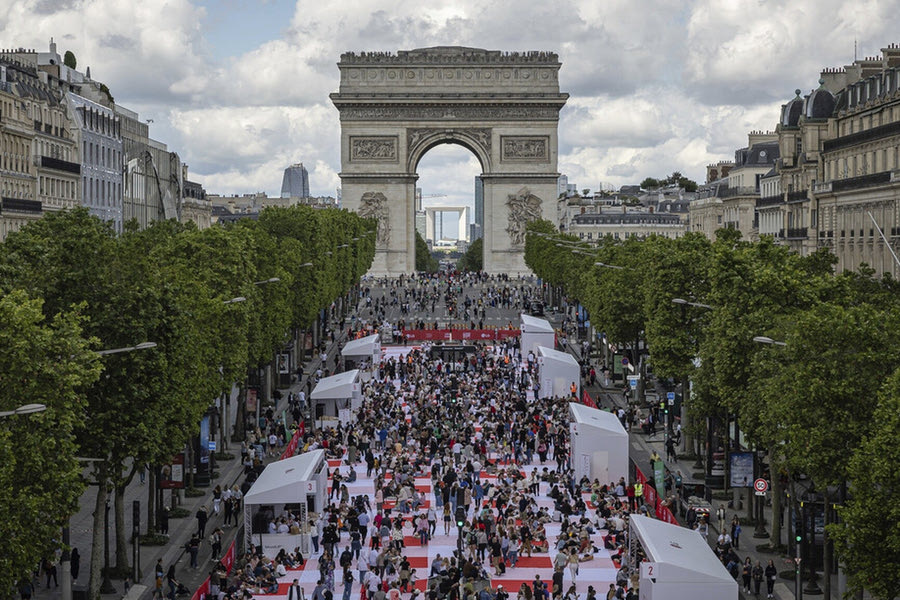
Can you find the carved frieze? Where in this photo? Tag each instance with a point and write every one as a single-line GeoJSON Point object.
{"type": "Point", "coordinates": [524, 148]}
{"type": "Point", "coordinates": [382, 148]}
{"type": "Point", "coordinates": [374, 205]}
{"type": "Point", "coordinates": [523, 208]}
{"type": "Point", "coordinates": [486, 112]}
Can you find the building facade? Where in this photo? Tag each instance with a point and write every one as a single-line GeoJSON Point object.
{"type": "Point", "coordinates": [99, 136]}
{"type": "Point", "coordinates": [838, 183]}
{"type": "Point", "coordinates": [622, 223]}
{"type": "Point", "coordinates": [39, 164]}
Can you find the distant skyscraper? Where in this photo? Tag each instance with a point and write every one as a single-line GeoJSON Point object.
{"type": "Point", "coordinates": [296, 182]}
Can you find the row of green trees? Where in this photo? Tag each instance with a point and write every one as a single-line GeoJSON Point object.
{"type": "Point", "coordinates": [70, 286]}
{"type": "Point", "coordinates": [825, 404]}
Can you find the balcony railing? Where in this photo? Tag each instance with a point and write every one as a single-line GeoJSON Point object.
{"type": "Point", "coordinates": [863, 181]}
{"type": "Point", "coordinates": [797, 233]}
{"type": "Point", "coordinates": [869, 135]}
{"type": "Point", "coordinates": [20, 205]}
{"type": "Point", "coordinates": [797, 196]}
{"type": "Point", "coordinates": [48, 162]}
{"type": "Point", "coordinates": [770, 201]}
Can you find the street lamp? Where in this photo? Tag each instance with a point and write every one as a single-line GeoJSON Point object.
{"type": "Point", "coordinates": [141, 346]}
{"type": "Point", "coordinates": [761, 339]}
{"type": "Point", "coordinates": [235, 300]}
{"type": "Point", "coordinates": [689, 303]}
{"type": "Point", "coordinates": [600, 264]}
{"type": "Point", "coordinates": [25, 409]}
{"type": "Point", "coordinates": [265, 281]}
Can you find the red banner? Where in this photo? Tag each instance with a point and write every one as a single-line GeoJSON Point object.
{"type": "Point", "coordinates": [587, 400]}
{"type": "Point", "coordinates": [459, 334]}
{"type": "Point", "coordinates": [228, 559]}
{"type": "Point", "coordinates": [202, 591]}
{"type": "Point", "coordinates": [664, 514]}
{"type": "Point", "coordinates": [291, 448]}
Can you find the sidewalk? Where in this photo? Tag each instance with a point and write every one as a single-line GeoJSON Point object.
{"type": "Point", "coordinates": [180, 530]}
{"type": "Point", "coordinates": [642, 447]}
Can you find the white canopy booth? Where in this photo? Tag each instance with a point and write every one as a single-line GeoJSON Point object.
{"type": "Point", "coordinates": [536, 332]}
{"type": "Point", "coordinates": [599, 444]}
{"type": "Point", "coordinates": [298, 484]}
{"type": "Point", "coordinates": [335, 398]}
{"type": "Point", "coordinates": [679, 564]}
{"type": "Point", "coordinates": [556, 372]}
{"type": "Point", "coordinates": [364, 350]}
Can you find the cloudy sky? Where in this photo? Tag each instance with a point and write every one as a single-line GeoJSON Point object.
{"type": "Point", "coordinates": [239, 88]}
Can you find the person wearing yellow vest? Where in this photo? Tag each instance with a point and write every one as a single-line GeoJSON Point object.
{"type": "Point", "coordinates": [638, 496]}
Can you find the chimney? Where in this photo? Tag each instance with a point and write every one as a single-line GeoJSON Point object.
{"type": "Point", "coordinates": [2, 73]}
{"type": "Point", "coordinates": [52, 46]}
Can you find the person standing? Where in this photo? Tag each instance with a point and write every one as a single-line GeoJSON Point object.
{"type": "Point", "coordinates": [75, 563]}
{"type": "Point", "coordinates": [164, 520]}
{"type": "Point", "coordinates": [736, 531]}
{"type": "Point", "coordinates": [747, 573]}
{"type": "Point", "coordinates": [216, 541]}
{"type": "Point", "coordinates": [757, 575]}
{"type": "Point", "coordinates": [172, 582]}
{"type": "Point", "coordinates": [158, 574]}
{"type": "Point", "coordinates": [348, 582]}
{"type": "Point", "coordinates": [294, 592]}
{"type": "Point", "coordinates": [202, 518]}
{"type": "Point", "coordinates": [771, 573]}
{"type": "Point", "coordinates": [193, 548]}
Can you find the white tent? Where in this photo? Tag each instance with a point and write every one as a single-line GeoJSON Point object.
{"type": "Point", "coordinates": [556, 373]}
{"type": "Point", "coordinates": [680, 564]}
{"type": "Point", "coordinates": [599, 444]}
{"type": "Point", "coordinates": [337, 396]}
{"type": "Point", "coordinates": [536, 332]}
{"type": "Point", "coordinates": [299, 480]}
{"type": "Point", "coordinates": [364, 349]}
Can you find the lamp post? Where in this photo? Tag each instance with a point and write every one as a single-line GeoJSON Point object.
{"type": "Point", "coordinates": [600, 264]}
{"type": "Point", "coordinates": [269, 280]}
{"type": "Point", "coordinates": [25, 409]}
{"type": "Point", "coordinates": [685, 387]}
{"type": "Point", "coordinates": [106, 586]}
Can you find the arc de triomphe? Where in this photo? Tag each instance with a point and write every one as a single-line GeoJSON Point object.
{"type": "Point", "coordinates": [502, 106]}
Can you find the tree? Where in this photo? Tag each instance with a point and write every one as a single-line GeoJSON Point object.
{"type": "Point", "coordinates": [473, 259]}
{"type": "Point", "coordinates": [650, 183]}
{"type": "Point", "coordinates": [69, 59]}
{"type": "Point", "coordinates": [867, 538]}
{"type": "Point", "coordinates": [46, 361]}
{"type": "Point", "coordinates": [424, 260]}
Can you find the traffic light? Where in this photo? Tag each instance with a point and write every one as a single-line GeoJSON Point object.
{"type": "Point", "coordinates": [460, 516]}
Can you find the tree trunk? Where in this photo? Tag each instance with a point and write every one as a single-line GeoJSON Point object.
{"type": "Point", "coordinates": [826, 546]}
{"type": "Point", "coordinates": [239, 433]}
{"type": "Point", "coordinates": [777, 492]}
{"type": "Point", "coordinates": [95, 575]}
{"type": "Point", "coordinates": [121, 540]}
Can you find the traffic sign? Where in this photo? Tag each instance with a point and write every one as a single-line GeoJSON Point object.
{"type": "Point", "coordinates": [625, 361]}
{"type": "Point", "coordinates": [670, 396]}
{"type": "Point", "coordinates": [761, 486]}
{"type": "Point", "coordinates": [211, 445]}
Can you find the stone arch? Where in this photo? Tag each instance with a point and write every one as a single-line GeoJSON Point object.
{"type": "Point", "coordinates": [502, 106]}
{"type": "Point", "coordinates": [422, 139]}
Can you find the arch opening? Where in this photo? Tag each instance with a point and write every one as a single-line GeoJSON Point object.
{"type": "Point", "coordinates": [447, 174]}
